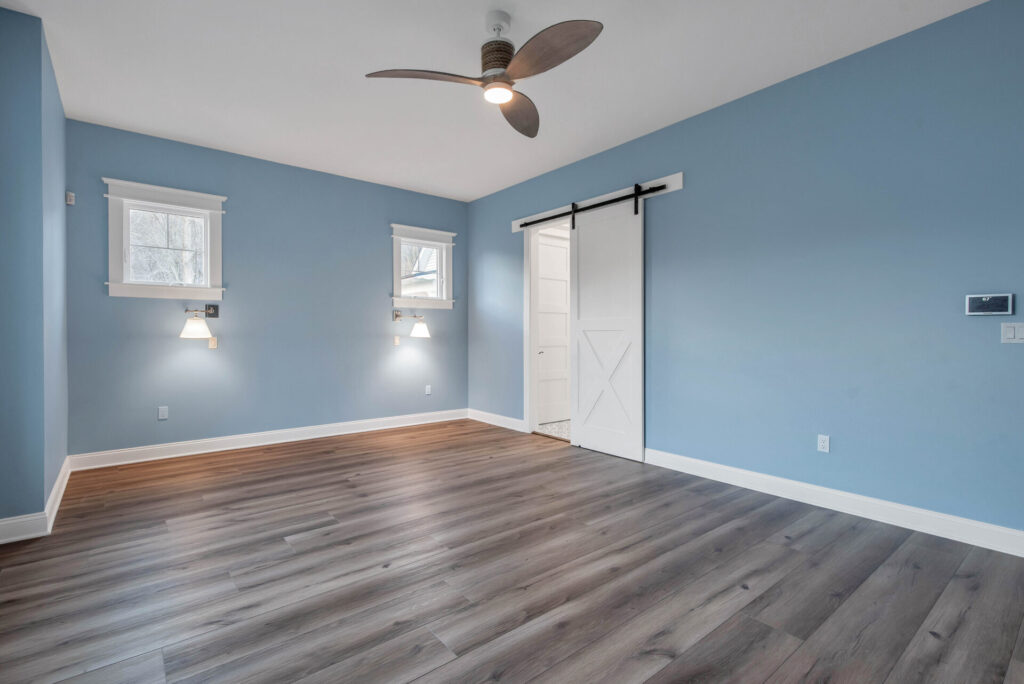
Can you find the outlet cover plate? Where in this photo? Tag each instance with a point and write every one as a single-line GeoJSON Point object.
{"type": "Point", "coordinates": [823, 443]}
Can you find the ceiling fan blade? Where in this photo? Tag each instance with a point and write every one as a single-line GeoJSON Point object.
{"type": "Point", "coordinates": [552, 46]}
{"type": "Point", "coordinates": [426, 75]}
{"type": "Point", "coordinates": [522, 114]}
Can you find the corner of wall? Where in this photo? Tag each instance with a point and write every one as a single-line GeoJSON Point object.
{"type": "Point", "coordinates": [54, 228]}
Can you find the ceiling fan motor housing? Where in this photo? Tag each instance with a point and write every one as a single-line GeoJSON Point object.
{"type": "Point", "coordinates": [495, 55]}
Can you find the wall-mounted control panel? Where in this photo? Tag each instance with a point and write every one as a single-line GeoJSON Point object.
{"type": "Point", "coordinates": [990, 305]}
{"type": "Point", "coordinates": [1012, 333]}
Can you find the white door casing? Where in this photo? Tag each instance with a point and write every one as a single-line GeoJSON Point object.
{"type": "Point", "coordinates": [550, 306]}
{"type": "Point", "coordinates": [607, 330]}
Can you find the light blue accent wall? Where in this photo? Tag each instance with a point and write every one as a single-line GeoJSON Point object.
{"type": "Point", "coordinates": [54, 309]}
{"type": "Point", "coordinates": [33, 346]}
{"type": "Point", "coordinates": [305, 326]}
{"type": "Point", "coordinates": [811, 276]}
{"type": "Point", "coordinates": [21, 291]}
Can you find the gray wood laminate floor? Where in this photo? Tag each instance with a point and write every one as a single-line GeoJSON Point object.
{"type": "Point", "coordinates": [461, 552]}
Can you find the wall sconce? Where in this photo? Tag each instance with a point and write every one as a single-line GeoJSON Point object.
{"type": "Point", "coordinates": [196, 327]}
{"type": "Point", "coordinates": [419, 328]}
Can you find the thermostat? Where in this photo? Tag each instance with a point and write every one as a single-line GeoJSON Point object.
{"type": "Point", "coordinates": [990, 305]}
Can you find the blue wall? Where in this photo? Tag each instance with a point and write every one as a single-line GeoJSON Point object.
{"type": "Point", "coordinates": [305, 326]}
{"type": "Point", "coordinates": [21, 291]}
{"type": "Point", "coordinates": [55, 329]}
{"type": "Point", "coordinates": [33, 347]}
{"type": "Point", "coordinates": [811, 276]}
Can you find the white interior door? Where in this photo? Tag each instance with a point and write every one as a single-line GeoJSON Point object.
{"type": "Point", "coordinates": [550, 294]}
{"type": "Point", "coordinates": [607, 331]}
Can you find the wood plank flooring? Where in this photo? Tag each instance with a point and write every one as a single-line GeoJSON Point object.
{"type": "Point", "coordinates": [462, 552]}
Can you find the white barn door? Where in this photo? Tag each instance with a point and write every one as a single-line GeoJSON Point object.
{"type": "Point", "coordinates": [607, 314]}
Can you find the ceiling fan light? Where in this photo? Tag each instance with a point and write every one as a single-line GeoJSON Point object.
{"type": "Point", "coordinates": [497, 93]}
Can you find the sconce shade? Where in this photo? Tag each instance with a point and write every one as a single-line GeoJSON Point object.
{"type": "Point", "coordinates": [195, 329]}
{"type": "Point", "coordinates": [419, 330]}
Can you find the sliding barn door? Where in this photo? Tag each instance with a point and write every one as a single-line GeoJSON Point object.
{"type": "Point", "coordinates": [607, 314]}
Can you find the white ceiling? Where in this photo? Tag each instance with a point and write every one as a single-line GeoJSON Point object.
{"type": "Point", "coordinates": [284, 80]}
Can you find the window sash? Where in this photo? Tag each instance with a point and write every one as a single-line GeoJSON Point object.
{"type": "Point", "coordinates": [153, 207]}
{"type": "Point", "coordinates": [442, 256]}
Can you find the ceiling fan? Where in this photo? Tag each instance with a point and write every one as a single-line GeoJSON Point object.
{"type": "Point", "coordinates": [502, 66]}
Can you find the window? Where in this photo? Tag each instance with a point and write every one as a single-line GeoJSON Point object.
{"type": "Point", "coordinates": [163, 242]}
{"type": "Point", "coordinates": [166, 246]}
{"type": "Point", "coordinates": [422, 268]}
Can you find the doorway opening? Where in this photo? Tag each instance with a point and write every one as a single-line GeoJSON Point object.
{"type": "Point", "coordinates": [550, 296]}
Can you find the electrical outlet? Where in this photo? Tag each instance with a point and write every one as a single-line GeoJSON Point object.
{"type": "Point", "coordinates": [427, 390]}
{"type": "Point", "coordinates": [823, 443]}
{"type": "Point", "coordinates": [161, 413]}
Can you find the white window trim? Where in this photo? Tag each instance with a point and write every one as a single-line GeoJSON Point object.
{"type": "Point", "coordinates": [435, 238]}
{"type": "Point", "coordinates": [120, 197]}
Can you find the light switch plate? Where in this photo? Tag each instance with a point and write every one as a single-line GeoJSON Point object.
{"type": "Point", "coordinates": [1012, 333]}
{"type": "Point", "coordinates": [161, 413]}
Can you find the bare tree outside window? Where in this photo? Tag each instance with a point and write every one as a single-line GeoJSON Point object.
{"type": "Point", "coordinates": [420, 271]}
{"type": "Point", "coordinates": [166, 248]}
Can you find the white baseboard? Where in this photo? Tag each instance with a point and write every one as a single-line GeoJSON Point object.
{"type": "Point", "coordinates": [57, 493]}
{"type": "Point", "coordinates": [32, 525]}
{"type": "Point", "coordinates": [20, 527]}
{"type": "Point", "coordinates": [103, 459]}
{"type": "Point", "coordinates": [517, 424]}
{"type": "Point", "coordinates": [986, 535]}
